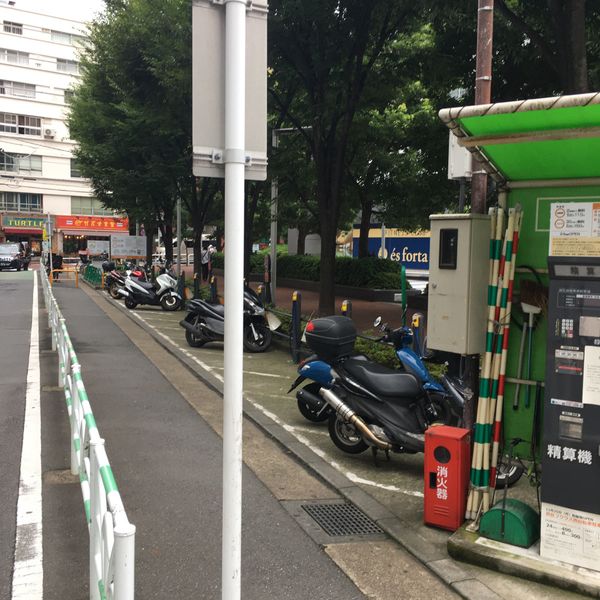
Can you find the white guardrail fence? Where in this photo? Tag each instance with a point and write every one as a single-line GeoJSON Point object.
{"type": "Point", "coordinates": [112, 536]}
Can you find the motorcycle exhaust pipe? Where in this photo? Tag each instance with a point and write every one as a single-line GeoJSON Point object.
{"type": "Point", "coordinates": [347, 414]}
{"type": "Point", "coordinates": [122, 292]}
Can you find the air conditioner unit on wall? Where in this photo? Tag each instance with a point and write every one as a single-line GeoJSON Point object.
{"type": "Point", "coordinates": [49, 134]}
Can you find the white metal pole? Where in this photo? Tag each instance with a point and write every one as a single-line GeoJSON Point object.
{"type": "Point", "coordinates": [382, 240]}
{"type": "Point", "coordinates": [124, 561]}
{"type": "Point", "coordinates": [178, 237]}
{"type": "Point", "coordinates": [235, 108]}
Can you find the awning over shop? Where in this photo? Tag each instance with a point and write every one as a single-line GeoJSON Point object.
{"type": "Point", "coordinates": [17, 231]}
{"type": "Point", "coordinates": [551, 140]}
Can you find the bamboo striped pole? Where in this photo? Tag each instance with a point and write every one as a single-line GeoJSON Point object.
{"type": "Point", "coordinates": [506, 325]}
{"type": "Point", "coordinates": [496, 223]}
{"type": "Point", "coordinates": [500, 312]}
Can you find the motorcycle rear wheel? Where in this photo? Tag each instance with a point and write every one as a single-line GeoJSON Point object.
{"type": "Point", "coordinates": [113, 290]}
{"type": "Point", "coordinates": [345, 436]}
{"type": "Point", "coordinates": [310, 413]}
{"type": "Point", "coordinates": [264, 338]}
{"type": "Point", "coordinates": [195, 341]}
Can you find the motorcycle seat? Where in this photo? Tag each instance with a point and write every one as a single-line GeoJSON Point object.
{"type": "Point", "coordinates": [217, 308]}
{"type": "Point", "coordinates": [145, 284]}
{"type": "Point", "coordinates": [381, 380]}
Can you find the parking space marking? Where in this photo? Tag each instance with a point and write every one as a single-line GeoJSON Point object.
{"type": "Point", "coordinates": [296, 431]}
{"type": "Point", "coordinates": [28, 575]}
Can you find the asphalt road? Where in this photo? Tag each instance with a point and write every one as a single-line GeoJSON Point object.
{"type": "Point", "coordinates": [15, 327]}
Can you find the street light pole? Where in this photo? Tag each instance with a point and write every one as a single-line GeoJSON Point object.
{"type": "Point", "coordinates": [275, 133]}
{"type": "Point", "coordinates": [178, 238]}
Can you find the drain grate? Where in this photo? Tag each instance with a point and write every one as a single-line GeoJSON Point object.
{"type": "Point", "coordinates": [342, 519]}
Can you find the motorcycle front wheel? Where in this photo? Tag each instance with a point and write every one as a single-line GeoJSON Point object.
{"type": "Point", "coordinates": [264, 338]}
{"type": "Point", "coordinates": [195, 341]}
{"type": "Point", "coordinates": [345, 436]}
{"type": "Point", "coordinates": [130, 304]}
{"type": "Point", "coordinates": [310, 413]}
{"type": "Point", "coordinates": [170, 303]}
{"type": "Point", "coordinates": [442, 407]}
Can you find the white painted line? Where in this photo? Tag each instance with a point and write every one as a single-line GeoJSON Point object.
{"type": "Point", "coordinates": [294, 430]}
{"type": "Point", "coordinates": [349, 474]}
{"type": "Point", "coordinates": [28, 575]}
{"type": "Point", "coordinates": [256, 373]}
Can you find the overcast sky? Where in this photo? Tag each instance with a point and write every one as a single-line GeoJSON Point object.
{"type": "Point", "coordinates": [76, 9]}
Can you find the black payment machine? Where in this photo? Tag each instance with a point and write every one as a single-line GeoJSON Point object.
{"type": "Point", "coordinates": [571, 439]}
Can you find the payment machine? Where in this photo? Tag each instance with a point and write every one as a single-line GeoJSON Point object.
{"type": "Point", "coordinates": [570, 528]}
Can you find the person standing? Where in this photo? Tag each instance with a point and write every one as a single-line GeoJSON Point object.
{"type": "Point", "coordinates": [204, 260]}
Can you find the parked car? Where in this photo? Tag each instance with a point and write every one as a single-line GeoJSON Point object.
{"type": "Point", "coordinates": [12, 256]}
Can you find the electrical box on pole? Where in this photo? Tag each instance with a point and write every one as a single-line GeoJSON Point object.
{"type": "Point", "coordinates": [208, 84]}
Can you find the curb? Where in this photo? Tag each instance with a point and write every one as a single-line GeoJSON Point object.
{"type": "Point", "coordinates": [424, 551]}
{"type": "Point", "coordinates": [463, 546]}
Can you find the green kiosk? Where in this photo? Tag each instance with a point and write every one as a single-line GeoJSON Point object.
{"type": "Point", "coordinates": [544, 155]}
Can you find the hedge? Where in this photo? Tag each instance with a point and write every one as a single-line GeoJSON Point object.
{"type": "Point", "coordinates": [368, 272]}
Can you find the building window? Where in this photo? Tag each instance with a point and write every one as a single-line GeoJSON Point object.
{"type": "Point", "coordinates": [10, 27]}
{"type": "Point", "coordinates": [67, 66]}
{"type": "Point", "coordinates": [66, 38]}
{"type": "Point", "coordinates": [75, 172]}
{"type": "Point", "coordinates": [21, 202]}
{"type": "Point", "coordinates": [14, 57]}
{"type": "Point", "coordinates": [82, 205]}
{"type": "Point", "coordinates": [21, 124]}
{"type": "Point", "coordinates": [20, 163]}
{"type": "Point", "coordinates": [69, 95]}
{"type": "Point", "coordinates": [16, 88]}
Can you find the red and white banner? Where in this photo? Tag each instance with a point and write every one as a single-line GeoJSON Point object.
{"type": "Point", "coordinates": [92, 223]}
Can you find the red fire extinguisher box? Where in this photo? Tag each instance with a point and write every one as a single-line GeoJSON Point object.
{"type": "Point", "coordinates": [447, 467]}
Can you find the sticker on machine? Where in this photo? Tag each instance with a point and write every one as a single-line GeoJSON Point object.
{"type": "Point", "coordinates": [571, 536]}
{"type": "Point", "coordinates": [591, 376]}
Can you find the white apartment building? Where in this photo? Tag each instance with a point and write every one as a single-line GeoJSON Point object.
{"type": "Point", "coordinates": [38, 176]}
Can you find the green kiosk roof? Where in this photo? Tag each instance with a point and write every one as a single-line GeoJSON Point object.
{"type": "Point", "coordinates": [539, 140]}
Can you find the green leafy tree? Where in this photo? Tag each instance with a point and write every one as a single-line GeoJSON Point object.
{"type": "Point", "coordinates": [131, 115]}
{"type": "Point", "coordinates": [323, 55]}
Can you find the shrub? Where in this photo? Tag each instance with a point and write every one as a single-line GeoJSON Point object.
{"type": "Point", "coordinates": [367, 272]}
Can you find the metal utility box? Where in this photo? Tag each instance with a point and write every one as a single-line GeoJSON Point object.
{"type": "Point", "coordinates": [458, 282]}
{"type": "Point", "coordinates": [447, 465]}
{"type": "Point", "coordinates": [571, 437]}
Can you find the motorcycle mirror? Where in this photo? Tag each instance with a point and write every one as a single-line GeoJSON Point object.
{"type": "Point", "coordinates": [377, 322]}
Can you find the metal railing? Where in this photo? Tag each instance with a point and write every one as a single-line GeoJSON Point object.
{"type": "Point", "coordinates": [111, 535]}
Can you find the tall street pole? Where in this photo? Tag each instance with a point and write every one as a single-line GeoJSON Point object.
{"type": "Point", "coordinates": [483, 95]}
{"type": "Point", "coordinates": [274, 195]}
{"type": "Point", "coordinates": [483, 91]}
{"type": "Point", "coordinates": [178, 237]}
{"type": "Point", "coordinates": [235, 127]}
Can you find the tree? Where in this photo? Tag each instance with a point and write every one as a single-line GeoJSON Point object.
{"type": "Point", "coordinates": [137, 147]}
{"type": "Point", "coordinates": [324, 52]}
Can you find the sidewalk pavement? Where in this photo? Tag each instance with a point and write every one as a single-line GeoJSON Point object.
{"type": "Point", "coordinates": [162, 427]}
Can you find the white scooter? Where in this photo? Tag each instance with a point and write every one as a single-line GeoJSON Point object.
{"type": "Point", "coordinates": [162, 293]}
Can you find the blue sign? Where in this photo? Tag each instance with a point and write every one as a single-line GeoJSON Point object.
{"type": "Point", "coordinates": [412, 252]}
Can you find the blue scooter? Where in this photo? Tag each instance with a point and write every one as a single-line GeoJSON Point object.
{"type": "Point", "coordinates": [406, 342]}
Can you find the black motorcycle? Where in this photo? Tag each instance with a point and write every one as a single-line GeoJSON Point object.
{"type": "Point", "coordinates": [372, 405]}
{"type": "Point", "coordinates": [205, 322]}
